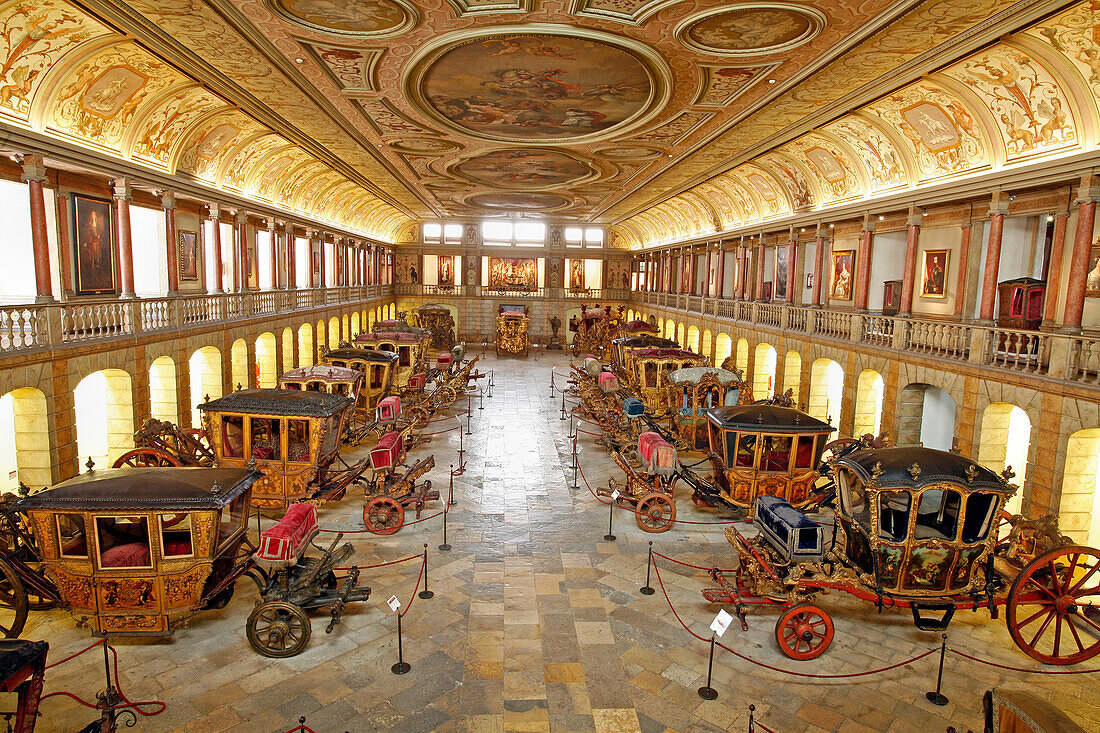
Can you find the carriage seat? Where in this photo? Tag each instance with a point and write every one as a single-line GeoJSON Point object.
{"type": "Point", "coordinates": [263, 450]}
{"type": "Point", "coordinates": [633, 407]}
{"type": "Point", "coordinates": [129, 555]}
{"type": "Point", "coordinates": [387, 454]}
{"type": "Point", "coordinates": [282, 545]}
{"type": "Point", "coordinates": [389, 409]}
{"type": "Point", "coordinates": [417, 381]}
{"type": "Point", "coordinates": [444, 360]}
{"type": "Point", "coordinates": [794, 535]}
{"type": "Point", "coordinates": [608, 382]}
{"type": "Point", "coordinates": [657, 453]}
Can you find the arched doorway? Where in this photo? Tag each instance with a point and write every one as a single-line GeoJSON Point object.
{"type": "Point", "coordinates": [763, 381]}
{"type": "Point", "coordinates": [926, 416]}
{"type": "Point", "coordinates": [707, 348]}
{"type": "Point", "coordinates": [692, 343]}
{"type": "Point", "coordinates": [266, 370]}
{"type": "Point", "coordinates": [1004, 441]}
{"type": "Point", "coordinates": [345, 328]}
{"type": "Point", "coordinates": [320, 334]}
{"type": "Point", "coordinates": [334, 333]}
{"type": "Point", "coordinates": [205, 371]}
{"type": "Point", "coordinates": [288, 349]}
{"type": "Point", "coordinates": [792, 374]}
{"type": "Point", "coordinates": [723, 348]}
{"type": "Point", "coordinates": [239, 365]}
{"type": "Point", "coordinates": [1079, 508]}
{"type": "Point", "coordinates": [868, 413]}
{"type": "Point", "coordinates": [355, 326]}
{"type": "Point", "coordinates": [104, 406]}
{"type": "Point", "coordinates": [742, 359]}
{"type": "Point", "coordinates": [670, 329]}
{"type": "Point", "coordinates": [24, 440]}
{"type": "Point", "coordinates": [163, 403]}
{"type": "Point", "coordinates": [305, 345]}
{"type": "Point", "coordinates": [826, 391]}
{"type": "Point", "coordinates": [680, 334]}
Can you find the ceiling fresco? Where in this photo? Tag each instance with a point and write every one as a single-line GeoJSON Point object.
{"type": "Point", "coordinates": [666, 118]}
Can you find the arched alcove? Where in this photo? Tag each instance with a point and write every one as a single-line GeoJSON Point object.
{"type": "Point", "coordinates": [239, 366]}
{"type": "Point", "coordinates": [205, 371]}
{"type": "Point", "coordinates": [355, 325]}
{"type": "Point", "coordinates": [288, 350]}
{"type": "Point", "coordinates": [266, 369]}
{"type": "Point", "coordinates": [826, 391]}
{"type": "Point", "coordinates": [742, 358]}
{"type": "Point", "coordinates": [1005, 440]}
{"type": "Point", "coordinates": [681, 334]}
{"type": "Point", "coordinates": [707, 346]}
{"type": "Point", "coordinates": [163, 400]}
{"type": "Point", "coordinates": [104, 409]}
{"type": "Point", "coordinates": [345, 328]}
{"type": "Point", "coordinates": [926, 416]}
{"type": "Point", "coordinates": [763, 380]}
{"type": "Point", "coordinates": [670, 329]}
{"type": "Point", "coordinates": [870, 389]}
{"type": "Point", "coordinates": [334, 333]}
{"type": "Point", "coordinates": [692, 342]}
{"type": "Point", "coordinates": [792, 374]}
{"type": "Point", "coordinates": [1079, 508]}
{"type": "Point", "coordinates": [723, 348]}
{"type": "Point", "coordinates": [24, 440]}
{"type": "Point", "coordinates": [305, 345]}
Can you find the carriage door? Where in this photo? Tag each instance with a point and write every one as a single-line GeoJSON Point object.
{"type": "Point", "coordinates": [932, 545]}
{"type": "Point", "coordinates": [128, 592]}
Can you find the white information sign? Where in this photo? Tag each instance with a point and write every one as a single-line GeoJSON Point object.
{"type": "Point", "coordinates": [395, 604]}
{"type": "Point", "coordinates": [615, 495]}
{"type": "Point", "coordinates": [720, 623]}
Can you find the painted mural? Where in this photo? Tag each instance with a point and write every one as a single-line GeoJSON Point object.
{"type": "Point", "coordinates": [163, 128]}
{"type": "Point", "coordinates": [522, 169]}
{"type": "Point", "coordinates": [1075, 34]}
{"type": "Point", "coordinates": [358, 17]}
{"type": "Point", "coordinates": [880, 158]}
{"type": "Point", "coordinates": [518, 201]}
{"type": "Point", "coordinates": [752, 29]}
{"type": "Point", "coordinates": [836, 178]}
{"type": "Point", "coordinates": [235, 175]}
{"type": "Point", "coordinates": [536, 87]}
{"type": "Point", "coordinates": [513, 273]}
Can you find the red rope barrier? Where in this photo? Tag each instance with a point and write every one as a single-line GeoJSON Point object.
{"type": "Point", "coordinates": [1021, 669]}
{"type": "Point", "coordinates": [689, 565]}
{"type": "Point", "coordinates": [440, 432]}
{"type": "Point", "coordinates": [415, 589]}
{"type": "Point", "coordinates": [135, 706]}
{"type": "Point", "coordinates": [74, 656]}
{"type": "Point", "coordinates": [780, 669]}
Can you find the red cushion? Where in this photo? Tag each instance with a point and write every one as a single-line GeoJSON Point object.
{"type": "Point", "coordinates": [132, 555]}
{"type": "Point", "coordinates": [287, 540]}
{"type": "Point", "coordinates": [444, 358]}
{"type": "Point", "coordinates": [176, 548]}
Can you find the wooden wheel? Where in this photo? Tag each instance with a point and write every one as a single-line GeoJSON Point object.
{"type": "Point", "coordinates": [656, 512]}
{"type": "Point", "coordinates": [13, 616]}
{"type": "Point", "coordinates": [383, 515]}
{"type": "Point", "coordinates": [419, 417]}
{"type": "Point", "coordinates": [804, 632]}
{"type": "Point", "coordinates": [1047, 604]}
{"type": "Point", "coordinates": [146, 457]}
{"type": "Point", "coordinates": [278, 629]}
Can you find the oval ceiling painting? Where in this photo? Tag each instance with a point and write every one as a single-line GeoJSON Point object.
{"type": "Point", "coordinates": [523, 169]}
{"type": "Point", "coordinates": [518, 201]}
{"type": "Point", "coordinates": [523, 86]}
{"type": "Point", "coordinates": [346, 17]}
{"type": "Point", "coordinates": [752, 29]}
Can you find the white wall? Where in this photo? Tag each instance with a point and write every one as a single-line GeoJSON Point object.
{"type": "Point", "coordinates": [263, 257]}
{"type": "Point", "coordinates": [17, 283]}
{"type": "Point", "coordinates": [887, 263]}
{"type": "Point", "coordinates": [147, 236]}
{"type": "Point", "coordinates": [937, 429]}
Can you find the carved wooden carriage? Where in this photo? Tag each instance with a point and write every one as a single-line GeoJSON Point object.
{"type": "Point", "coordinates": [291, 437]}
{"type": "Point", "coordinates": [410, 343]}
{"type": "Point", "coordinates": [765, 450]}
{"type": "Point", "coordinates": [380, 368]}
{"type": "Point", "coordinates": [650, 369]}
{"type": "Point", "coordinates": [325, 378]}
{"type": "Point", "coordinates": [622, 349]}
{"type": "Point", "coordinates": [440, 322]}
{"type": "Point", "coordinates": [594, 330]}
{"type": "Point", "coordinates": [512, 330]}
{"type": "Point", "coordinates": [134, 550]}
{"type": "Point", "coordinates": [692, 392]}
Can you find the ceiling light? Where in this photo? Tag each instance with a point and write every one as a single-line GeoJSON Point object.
{"type": "Point", "coordinates": [881, 217]}
{"type": "Point", "coordinates": [771, 81]}
{"type": "Point", "coordinates": [300, 60]}
{"type": "Point", "coordinates": [832, 225]}
{"type": "Point", "coordinates": [803, 228]}
{"type": "Point", "coordinates": [1050, 217]}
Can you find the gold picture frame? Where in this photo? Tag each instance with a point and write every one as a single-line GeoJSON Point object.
{"type": "Point", "coordinates": [933, 273]}
{"type": "Point", "coordinates": [844, 272]}
{"type": "Point", "coordinates": [187, 249]}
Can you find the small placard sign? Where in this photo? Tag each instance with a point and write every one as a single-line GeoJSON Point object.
{"type": "Point", "coordinates": [395, 604]}
{"type": "Point", "coordinates": [615, 495]}
{"type": "Point", "coordinates": [720, 623]}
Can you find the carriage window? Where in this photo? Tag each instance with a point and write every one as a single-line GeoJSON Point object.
{"type": "Point", "coordinates": [338, 362]}
{"type": "Point", "coordinates": [175, 535]}
{"type": "Point", "coordinates": [233, 436]}
{"type": "Point", "coordinates": [650, 374]}
{"type": "Point", "coordinates": [937, 514]}
{"type": "Point", "coordinates": [375, 377]}
{"type": "Point", "coordinates": [776, 455]}
{"type": "Point", "coordinates": [854, 498]}
{"type": "Point", "coordinates": [70, 535]}
{"type": "Point", "coordinates": [267, 438]}
{"type": "Point", "coordinates": [979, 516]}
{"type": "Point", "coordinates": [804, 456]}
{"type": "Point", "coordinates": [123, 542]}
{"type": "Point", "coordinates": [404, 356]}
{"type": "Point", "coordinates": [746, 450]}
{"type": "Point", "coordinates": [314, 387]}
{"type": "Point", "coordinates": [232, 517]}
{"type": "Point", "coordinates": [297, 440]}
{"type": "Point", "coordinates": [893, 515]}
{"type": "Point", "coordinates": [332, 436]}
{"type": "Point", "coordinates": [715, 441]}
{"type": "Point", "coordinates": [292, 385]}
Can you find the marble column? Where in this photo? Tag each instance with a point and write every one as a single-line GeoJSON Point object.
{"type": "Point", "coordinates": [997, 210]}
{"type": "Point", "coordinates": [290, 247]}
{"type": "Point", "coordinates": [909, 271]}
{"type": "Point", "coordinates": [706, 273]}
{"type": "Point", "coordinates": [123, 193]}
{"type": "Point", "coordinates": [1087, 196]}
{"type": "Point", "coordinates": [1054, 271]}
{"type": "Point", "coordinates": [241, 229]}
{"type": "Point", "coordinates": [964, 258]}
{"type": "Point", "coordinates": [792, 252]}
{"type": "Point", "coordinates": [720, 277]}
{"type": "Point", "coordinates": [168, 203]}
{"type": "Point", "coordinates": [214, 215]}
{"type": "Point", "coordinates": [759, 256]}
{"type": "Point", "coordinates": [34, 175]}
{"type": "Point", "coordinates": [863, 262]}
{"type": "Point", "coordinates": [743, 273]}
{"type": "Point", "coordinates": [820, 238]}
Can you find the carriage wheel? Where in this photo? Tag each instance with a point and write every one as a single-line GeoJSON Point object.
{"type": "Point", "coordinates": [278, 629]}
{"type": "Point", "coordinates": [14, 615]}
{"type": "Point", "coordinates": [804, 632]}
{"type": "Point", "coordinates": [383, 515]}
{"type": "Point", "coordinates": [1046, 604]}
{"type": "Point", "coordinates": [655, 513]}
{"type": "Point", "coordinates": [146, 457]}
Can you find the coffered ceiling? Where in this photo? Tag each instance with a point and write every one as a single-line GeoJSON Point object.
{"type": "Point", "coordinates": [377, 112]}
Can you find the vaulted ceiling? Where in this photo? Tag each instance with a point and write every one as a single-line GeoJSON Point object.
{"type": "Point", "coordinates": [663, 115]}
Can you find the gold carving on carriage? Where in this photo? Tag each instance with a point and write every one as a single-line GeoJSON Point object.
{"type": "Point", "coordinates": [512, 330]}
{"type": "Point", "coordinates": [691, 392]}
{"type": "Point", "coordinates": [440, 322]}
{"type": "Point", "coordinates": [410, 343]}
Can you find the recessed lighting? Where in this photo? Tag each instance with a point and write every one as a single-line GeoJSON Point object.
{"type": "Point", "coordinates": [832, 225]}
{"type": "Point", "coordinates": [881, 217]}
{"type": "Point", "coordinates": [803, 228]}
{"type": "Point", "coordinates": [771, 81]}
{"type": "Point", "coordinates": [300, 60]}
{"type": "Point", "coordinates": [1050, 217]}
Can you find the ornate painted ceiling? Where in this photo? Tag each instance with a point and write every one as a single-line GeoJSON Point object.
{"type": "Point", "coordinates": [652, 113]}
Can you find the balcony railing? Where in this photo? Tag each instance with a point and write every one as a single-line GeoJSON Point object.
{"type": "Point", "coordinates": [484, 291]}
{"type": "Point", "coordinates": [27, 327]}
{"type": "Point", "coordinates": [1074, 359]}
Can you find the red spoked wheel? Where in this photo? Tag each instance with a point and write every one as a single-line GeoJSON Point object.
{"type": "Point", "coordinates": [804, 632]}
{"type": "Point", "coordinates": [1052, 607]}
{"type": "Point", "coordinates": [655, 513]}
{"type": "Point", "coordinates": [146, 457]}
{"type": "Point", "coordinates": [383, 515]}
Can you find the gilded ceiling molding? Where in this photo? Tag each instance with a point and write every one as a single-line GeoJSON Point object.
{"type": "Point", "coordinates": [720, 85]}
{"type": "Point", "coordinates": [627, 12]}
{"type": "Point", "coordinates": [351, 68]}
{"type": "Point", "coordinates": [481, 7]}
{"type": "Point", "coordinates": [354, 18]}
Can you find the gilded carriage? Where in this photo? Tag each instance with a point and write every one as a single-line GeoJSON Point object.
{"type": "Point", "coordinates": [622, 349]}
{"type": "Point", "coordinates": [440, 322]}
{"type": "Point", "coordinates": [137, 551]}
{"type": "Point", "coordinates": [292, 437]}
{"type": "Point", "coordinates": [925, 530]}
{"type": "Point", "coordinates": [692, 392]}
{"type": "Point", "coordinates": [380, 368]}
{"type": "Point", "coordinates": [408, 342]}
{"type": "Point", "coordinates": [594, 329]}
{"type": "Point", "coordinates": [512, 330]}
{"type": "Point", "coordinates": [325, 378]}
{"type": "Point", "coordinates": [763, 450]}
{"type": "Point", "coordinates": [650, 368]}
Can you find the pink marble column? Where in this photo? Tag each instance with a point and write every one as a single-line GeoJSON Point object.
{"type": "Point", "coordinates": [910, 267]}
{"type": "Point", "coordinates": [1054, 271]}
{"type": "Point", "coordinates": [1087, 196]}
{"type": "Point", "coordinates": [759, 256]}
{"type": "Point", "coordinates": [819, 264]}
{"type": "Point", "coordinates": [863, 263]}
{"type": "Point", "coordinates": [964, 258]}
{"type": "Point", "coordinates": [122, 195]}
{"type": "Point", "coordinates": [168, 203]}
{"type": "Point", "coordinates": [998, 209]}
{"type": "Point", "coordinates": [214, 215]}
{"type": "Point", "coordinates": [34, 174]}
{"type": "Point", "coordinates": [242, 252]}
{"type": "Point", "coordinates": [792, 252]}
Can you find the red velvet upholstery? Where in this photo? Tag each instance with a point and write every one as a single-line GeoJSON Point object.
{"type": "Point", "coordinates": [388, 452]}
{"type": "Point", "coordinates": [131, 555]}
{"type": "Point", "coordinates": [444, 360]}
{"type": "Point", "coordinates": [287, 540]}
{"type": "Point", "coordinates": [417, 381]}
{"type": "Point", "coordinates": [389, 408]}
{"type": "Point", "coordinates": [656, 451]}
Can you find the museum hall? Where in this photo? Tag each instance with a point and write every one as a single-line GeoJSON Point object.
{"type": "Point", "coordinates": [611, 366]}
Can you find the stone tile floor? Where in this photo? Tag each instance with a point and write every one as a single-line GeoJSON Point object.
{"type": "Point", "coordinates": [537, 623]}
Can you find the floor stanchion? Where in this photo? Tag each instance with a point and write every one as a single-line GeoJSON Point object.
{"type": "Point", "coordinates": [469, 415]}
{"type": "Point", "coordinates": [426, 594]}
{"type": "Point", "coordinates": [706, 691]}
{"type": "Point", "coordinates": [460, 443]}
{"type": "Point", "coordinates": [563, 405]}
{"type": "Point", "coordinates": [752, 721]}
{"type": "Point", "coordinates": [451, 489]}
{"type": "Point", "coordinates": [445, 546]}
{"type": "Point", "coordinates": [480, 398]}
{"type": "Point", "coordinates": [551, 384]}
{"type": "Point", "coordinates": [610, 520]}
{"type": "Point", "coordinates": [645, 590]}
{"type": "Point", "coordinates": [401, 667]}
{"type": "Point", "coordinates": [937, 697]}
{"type": "Point", "coordinates": [572, 426]}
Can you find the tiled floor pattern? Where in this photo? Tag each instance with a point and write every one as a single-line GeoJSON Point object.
{"type": "Point", "coordinates": [537, 623]}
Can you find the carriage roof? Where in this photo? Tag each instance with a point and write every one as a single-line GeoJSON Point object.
{"type": "Point", "coordinates": [644, 341]}
{"type": "Point", "coordinates": [662, 353]}
{"type": "Point", "coordinates": [637, 326]}
{"type": "Point", "coordinates": [694, 375]}
{"type": "Point", "coordinates": [350, 352]}
{"type": "Point", "coordinates": [432, 308]}
{"type": "Point", "coordinates": [290, 402]}
{"type": "Point", "coordinates": [767, 419]}
{"type": "Point", "coordinates": [898, 467]}
{"type": "Point", "coordinates": [398, 337]}
{"type": "Point", "coordinates": [321, 373]}
{"type": "Point", "coordinates": [141, 488]}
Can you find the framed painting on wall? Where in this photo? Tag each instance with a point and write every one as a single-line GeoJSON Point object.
{"type": "Point", "coordinates": [1092, 279]}
{"type": "Point", "coordinates": [844, 265]}
{"type": "Point", "coordinates": [576, 275]}
{"type": "Point", "coordinates": [446, 270]}
{"type": "Point", "coordinates": [515, 273]}
{"type": "Point", "coordinates": [93, 246]}
{"type": "Point", "coordinates": [188, 253]}
{"type": "Point", "coordinates": [767, 290]}
{"type": "Point", "coordinates": [934, 273]}
{"type": "Point", "coordinates": [781, 262]}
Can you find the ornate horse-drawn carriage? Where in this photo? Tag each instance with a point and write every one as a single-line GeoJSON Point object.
{"type": "Point", "coordinates": [594, 330]}
{"type": "Point", "coordinates": [622, 349]}
{"type": "Point", "coordinates": [440, 322]}
{"type": "Point", "coordinates": [380, 368]}
{"type": "Point", "coordinates": [917, 528]}
{"type": "Point", "coordinates": [138, 551]}
{"type": "Point", "coordinates": [512, 330]}
{"type": "Point", "coordinates": [291, 437]}
{"type": "Point", "coordinates": [695, 390]}
{"type": "Point", "coordinates": [649, 490]}
{"type": "Point", "coordinates": [408, 342]}
{"type": "Point", "coordinates": [161, 443]}
{"type": "Point", "coordinates": [650, 370]}
{"type": "Point", "coordinates": [391, 490]}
